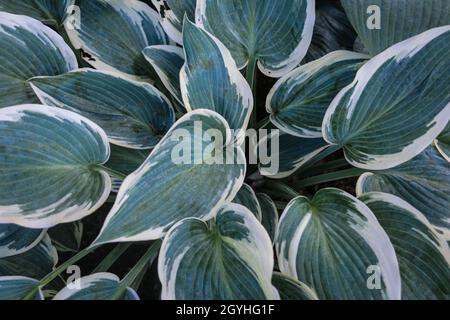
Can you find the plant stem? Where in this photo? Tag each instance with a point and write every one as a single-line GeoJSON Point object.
{"type": "Point", "coordinates": [322, 167]}
{"type": "Point", "coordinates": [128, 280]}
{"type": "Point", "coordinates": [111, 172]}
{"type": "Point", "coordinates": [112, 257]}
{"type": "Point", "coordinates": [324, 154]}
{"type": "Point", "coordinates": [329, 177]}
{"type": "Point", "coordinates": [263, 123]}
{"type": "Point", "coordinates": [283, 189]}
{"type": "Point", "coordinates": [250, 75]}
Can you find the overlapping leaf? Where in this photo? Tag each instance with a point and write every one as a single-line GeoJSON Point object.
{"type": "Point", "coordinates": [269, 214]}
{"type": "Point", "coordinates": [397, 105]}
{"type": "Point", "coordinates": [230, 258]}
{"type": "Point", "coordinates": [50, 166]}
{"type": "Point", "coordinates": [247, 197]}
{"type": "Point", "coordinates": [133, 114]}
{"type": "Point", "coordinates": [423, 255]}
{"type": "Point", "coordinates": [443, 143]}
{"type": "Point", "coordinates": [15, 240]}
{"type": "Point", "coordinates": [330, 242]}
{"type": "Point", "coordinates": [18, 288]}
{"type": "Point", "coordinates": [126, 161]}
{"type": "Point", "coordinates": [292, 289]}
{"type": "Point", "coordinates": [28, 49]}
{"type": "Point", "coordinates": [276, 33]}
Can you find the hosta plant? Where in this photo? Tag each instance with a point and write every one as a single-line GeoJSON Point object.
{"type": "Point", "coordinates": [289, 149]}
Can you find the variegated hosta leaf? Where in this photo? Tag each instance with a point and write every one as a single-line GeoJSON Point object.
{"type": "Point", "coordinates": [28, 49]}
{"type": "Point", "coordinates": [113, 33]}
{"type": "Point", "coordinates": [423, 255]}
{"type": "Point", "coordinates": [172, 13]}
{"type": "Point", "coordinates": [18, 288]}
{"type": "Point", "coordinates": [50, 166]}
{"type": "Point", "coordinates": [424, 182]}
{"type": "Point", "coordinates": [133, 114]}
{"type": "Point", "coordinates": [443, 143]}
{"type": "Point", "coordinates": [210, 80]}
{"type": "Point", "coordinates": [332, 31]}
{"type": "Point", "coordinates": [298, 101]}
{"type": "Point", "coordinates": [167, 61]}
{"type": "Point", "coordinates": [50, 12]}
{"type": "Point", "coordinates": [269, 214]}
{"type": "Point", "coordinates": [67, 237]}
{"type": "Point", "coordinates": [292, 289]}
{"type": "Point", "coordinates": [330, 243]}
{"type": "Point", "coordinates": [398, 20]}
{"type": "Point", "coordinates": [35, 263]}
{"type": "Point", "coordinates": [247, 197]}
{"type": "Point", "coordinates": [229, 258]}
{"type": "Point", "coordinates": [125, 160]}
{"type": "Point", "coordinates": [397, 105]}
{"type": "Point", "coordinates": [294, 152]}
{"type": "Point", "coordinates": [99, 286]}
{"type": "Point", "coordinates": [15, 240]}
{"type": "Point", "coordinates": [276, 33]}
{"type": "Point", "coordinates": [183, 177]}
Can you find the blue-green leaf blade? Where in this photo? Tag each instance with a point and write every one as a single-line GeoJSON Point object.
{"type": "Point", "coordinates": [15, 240]}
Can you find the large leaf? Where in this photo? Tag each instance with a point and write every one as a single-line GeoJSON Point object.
{"type": "Point", "coordinates": [292, 289]}
{"type": "Point", "coordinates": [210, 80]}
{"type": "Point", "coordinates": [269, 214]}
{"type": "Point", "coordinates": [276, 33]}
{"type": "Point", "coordinates": [293, 153]}
{"type": "Point", "coordinates": [247, 197]}
{"type": "Point", "coordinates": [172, 13]}
{"type": "Point", "coordinates": [28, 49]}
{"type": "Point", "coordinates": [397, 105]}
{"type": "Point", "coordinates": [113, 33]}
{"type": "Point", "coordinates": [167, 62]}
{"type": "Point", "coordinates": [17, 288]}
{"type": "Point", "coordinates": [230, 258]}
{"type": "Point", "coordinates": [165, 190]}
{"type": "Point", "coordinates": [133, 114]}
{"type": "Point", "coordinates": [298, 101]}
{"type": "Point", "coordinates": [423, 255]}
{"type": "Point", "coordinates": [443, 143]}
{"type": "Point", "coordinates": [50, 12]}
{"type": "Point", "coordinates": [15, 240]}
{"type": "Point", "coordinates": [399, 20]}
{"type": "Point", "coordinates": [50, 166]}
{"type": "Point", "coordinates": [99, 286]}
{"type": "Point", "coordinates": [424, 182]}
{"type": "Point", "coordinates": [35, 263]}
{"type": "Point", "coordinates": [331, 241]}
{"type": "Point", "coordinates": [67, 237]}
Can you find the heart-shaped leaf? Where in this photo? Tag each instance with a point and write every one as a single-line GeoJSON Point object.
{"type": "Point", "coordinates": [16, 240]}
{"type": "Point", "coordinates": [298, 101]}
{"type": "Point", "coordinates": [331, 242]}
{"type": "Point", "coordinates": [172, 13]}
{"type": "Point", "coordinates": [276, 33]}
{"type": "Point", "coordinates": [269, 214]}
{"type": "Point", "coordinates": [167, 62]}
{"type": "Point", "coordinates": [443, 143]}
{"type": "Point", "coordinates": [293, 153]}
{"type": "Point", "coordinates": [17, 288]}
{"type": "Point", "coordinates": [133, 114]}
{"type": "Point", "coordinates": [210, 79]}
{"type": "Point", "coordinates": [99, 286]}
{"type": "Point", "coordinates": [67, 237]}
{"type": "Point", "coordinates": [397, 105]}
{"type": "Point", "coordinates": [229, 258]}
{"type": "Point", "coordinates": [28, 49]}
{"type": "Point", "coordinates": [247, 197]}
{"type": "Point", "coordinates": [50, 12]}
{"type": "Point", "coordinates": [424, 182]}
{"type": "Point", "coordinates": [35, 263]}
{"type": "Point", "coordinates": [50, 162]}
{"type": "Point", "coordinates": [423, 255]}
{"type": "Point", "coordinates": [382, 23]}
{"type": "Point", "coordinates": [125, 29]}
{"type": "Point", "coordinates": [202, 179]}
{"type": "Point", "coordinates": [292, 289]}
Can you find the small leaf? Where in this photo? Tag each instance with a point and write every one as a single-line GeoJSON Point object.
{"type": "Point", "coordinates": [133, 114]}
{"type": "Point", "coordinates": [396, 106]}
{"type": "Point", "coordinates": [298, 101]}
{"type": "Point", "coordinates": [50, 166]}
{"type": "Point", "coordinates": [247, 197]}
{"type": "Point", "coordinates": [28, 49]}
{"type": "Point", "coordinates": [330, 242]}
{"type": "Point", "coordinates": [269, 214]}
{"type": "Point", "coordinates": [423, 255]}
{"type": "Point", "coordinates": [230, 258]}
{"type": "Point", "coordinates": [17, 288]}
{"type": "Point", "coordinates": [276, 33]}
{"type": "Point", "coordinates": [16, 240]}
{"type": "Point", "coordinates": [99, 286]}
{"type": "Point", "coordinates": [145, 208]}
{"type": "Point", "coordinates": [292, 289]}
{"type": "Point", "coordinates": [125, 160]}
